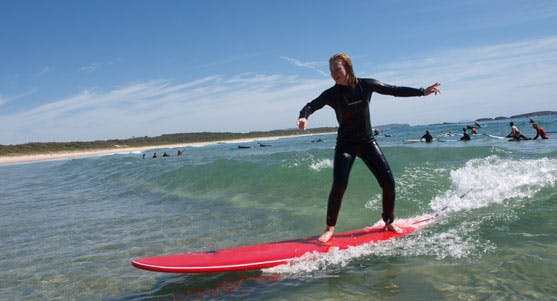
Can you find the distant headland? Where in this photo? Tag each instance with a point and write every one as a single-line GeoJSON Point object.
{"type": "Point", "coordinates": [526, 115]}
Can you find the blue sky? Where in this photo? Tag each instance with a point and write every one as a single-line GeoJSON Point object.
{"type": "Point", "coordinates": [88, 70]}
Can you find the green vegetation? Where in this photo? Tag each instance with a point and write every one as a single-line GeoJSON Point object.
{"type": "Point", "coordinates": [53, 147]}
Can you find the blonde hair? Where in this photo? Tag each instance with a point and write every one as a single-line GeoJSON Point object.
{"type": "Point", "coordinates": [347, 63]}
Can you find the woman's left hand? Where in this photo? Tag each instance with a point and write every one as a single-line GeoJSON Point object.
{"type": "Point", "coordinates": [432, 89]}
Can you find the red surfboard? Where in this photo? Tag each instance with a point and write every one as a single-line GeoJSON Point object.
{"type": "Point", "coordinates": [272, 254]}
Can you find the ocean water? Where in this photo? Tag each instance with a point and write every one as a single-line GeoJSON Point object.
{"type": "Point", "coordinates": [70, 228]}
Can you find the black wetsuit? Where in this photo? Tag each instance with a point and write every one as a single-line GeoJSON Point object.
{"type": "Point", "coordinates": [355, 138]}
{"type": "Point", "coordinates": [428, 138]}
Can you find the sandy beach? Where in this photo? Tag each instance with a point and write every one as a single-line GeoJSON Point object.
{"type": "Point", "coordinates": [20, 159]}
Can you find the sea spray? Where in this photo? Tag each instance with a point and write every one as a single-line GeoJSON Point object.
{"type": "Point", "coordinates": [492, 180]}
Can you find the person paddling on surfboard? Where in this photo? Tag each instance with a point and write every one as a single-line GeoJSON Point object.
{"type": "Point", "coordinates": [515, 134]}
{"type": "Point", "coordinates": [350, 98]}
{"type": "Point", "coordinates": [540, 132]}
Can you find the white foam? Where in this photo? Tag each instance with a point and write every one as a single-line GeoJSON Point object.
{"type": "Point", "coordinates": [321, 164]}
{"type": "Point", "coordinates": [374, 202]}
{"type": "Point", "coordinates": [492, 180]}
{"type": "Point", "coordinates": [455, 243]}
{"type": "Point", "coordinates": [480, 183]}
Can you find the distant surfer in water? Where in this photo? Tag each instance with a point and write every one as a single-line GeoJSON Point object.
{"type": "Point", "coordinates": [427, 137]}
{"type": "Point", "coordinates": [540, 132]}
{"type": "Point", "coordinates": [515, 133]}
{"type": "Point", "coordinates": [350, 98]}
{"type": "Point", "coordinates": [465, 135]}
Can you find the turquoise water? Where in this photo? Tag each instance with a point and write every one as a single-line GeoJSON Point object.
{"type": "Point", "coordinates": [69, 228]}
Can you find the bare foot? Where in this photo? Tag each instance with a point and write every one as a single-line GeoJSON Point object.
{"type": "Point", "coordinates": [394, 228]}
{"type": "Point", "coordinates": [327, 234]}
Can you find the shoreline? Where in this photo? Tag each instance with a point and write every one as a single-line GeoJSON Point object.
{"type": "Point", "coordinates": [22, 159]}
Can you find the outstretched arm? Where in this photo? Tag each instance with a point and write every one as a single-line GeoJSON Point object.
{"type": "Point", "coordinates": [399, 91]}
{"type": "Point", "coordinates": [311, 107]}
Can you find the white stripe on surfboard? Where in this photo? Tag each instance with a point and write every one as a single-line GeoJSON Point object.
{"type": "Point", "coordinates": [215, 266]}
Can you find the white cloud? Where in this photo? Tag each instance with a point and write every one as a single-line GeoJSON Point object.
{"type": "Point", "coordinates": [485, 81]}
{"type": "Point", "coordinates": [8, 99]}
{"type": "Point", "coordinates": [308, 65]}
{"type": "Point", "coordinates": [241, 103]}
{"type": "Point", "coordinates": [489, 81]}
{"type": "Point", "coordinates": [89, 68]}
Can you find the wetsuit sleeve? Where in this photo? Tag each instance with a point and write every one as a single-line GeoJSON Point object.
{"type": "Point", "coordinates": [315, 105]}
{"type": "Point", "coordinates": [382, 88]}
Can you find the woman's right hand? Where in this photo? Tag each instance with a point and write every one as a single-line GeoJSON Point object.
{"type": "Point", "coordinates": [302, 124]}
